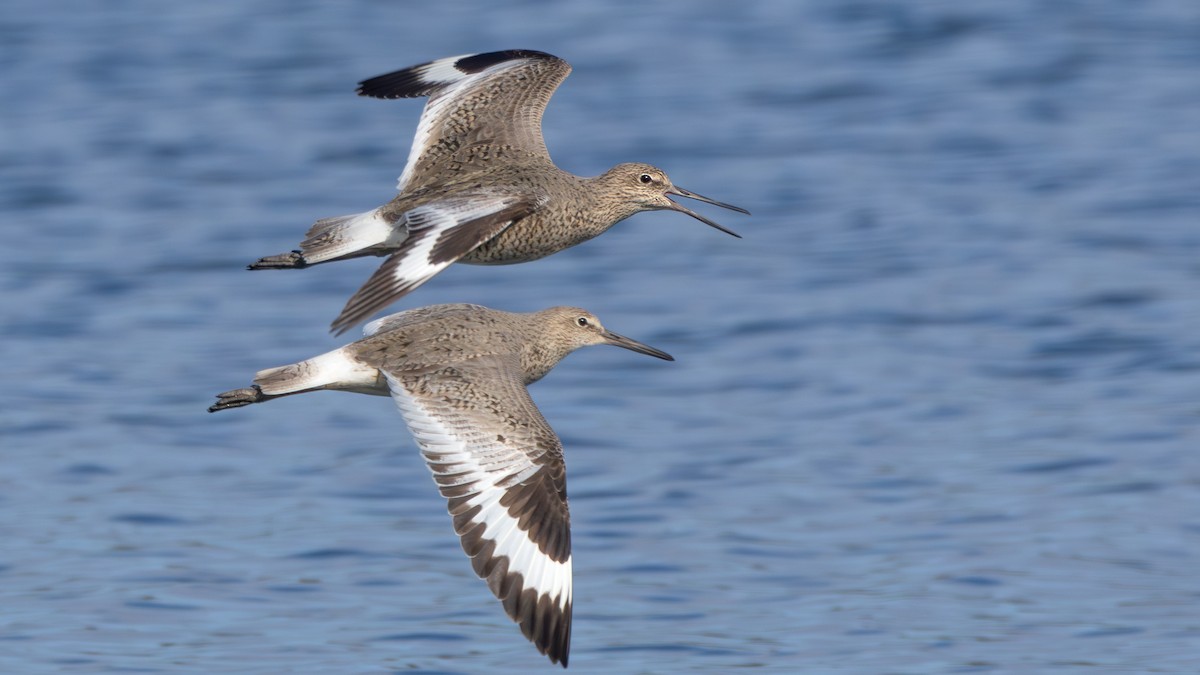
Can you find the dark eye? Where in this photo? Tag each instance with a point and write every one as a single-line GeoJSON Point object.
{"type": "Point", "coordinates": [645, 178]}
{"type": "Point", "coordinates": [582, 321]}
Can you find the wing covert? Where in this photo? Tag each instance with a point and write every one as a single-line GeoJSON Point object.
{"type": "Point", "coordinates": [495, 99]}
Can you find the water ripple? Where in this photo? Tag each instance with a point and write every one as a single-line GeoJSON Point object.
{"type": "Point", "coordinates": [940, 401]}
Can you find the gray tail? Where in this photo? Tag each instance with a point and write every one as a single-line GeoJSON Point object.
{"type": "Point", "coordinates": [337, 370]}
{"type": "Point", "coordinates": [292, 260]}
{"type": "Point", "coordinates": [237, 398]}
{"type": "Point", "coordinates": [295, 378]}
{"type": "Point", "coordinates": [350, 236]}
{"type": "Point", "coordinates": [338, 238]}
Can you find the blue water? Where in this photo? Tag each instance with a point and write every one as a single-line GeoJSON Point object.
{"type": "Point", "coordinates": [938, 412]}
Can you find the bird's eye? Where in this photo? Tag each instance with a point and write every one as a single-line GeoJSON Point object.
{"type": "Point", "coordinates": [645, 178]}
{"type": "Point", "coordinates": [582, 321]}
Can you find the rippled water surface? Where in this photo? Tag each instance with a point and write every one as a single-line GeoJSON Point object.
{"type": "Point", "coordinates": [937, 412]}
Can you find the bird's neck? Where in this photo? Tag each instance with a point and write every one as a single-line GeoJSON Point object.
{"type": "Point", "coordinates": [604, 197]}
{"type": "Point", "coordinates": [540, 352]}
{"type": "Point", "coordinates": [537, 360]}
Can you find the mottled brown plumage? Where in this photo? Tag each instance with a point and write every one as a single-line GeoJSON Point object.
{"type": "Point", "coordinates": [458, 375]}
{"type": "Point", "coordinates": [479, 186]}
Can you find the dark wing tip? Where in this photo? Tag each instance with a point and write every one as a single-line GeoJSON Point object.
{"type": "Point", "coordinates": [407, 83]}
{"type": "Point", "coordinates": [556, 638]}
{"type": "Point", "coordinates": [416, 81]}
{"type": "Point", "coordinates": [477, 63]}
{"type": "Point", "coordinates": [542, 621]}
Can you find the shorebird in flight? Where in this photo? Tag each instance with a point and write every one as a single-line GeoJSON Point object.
{"type": "Point", "coordinates": [479, 186]}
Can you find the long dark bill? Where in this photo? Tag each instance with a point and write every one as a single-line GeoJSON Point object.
{"type": "Point", "coordinates": [634, 345]}
{"type": "Point", "coordinates": [676, 206]}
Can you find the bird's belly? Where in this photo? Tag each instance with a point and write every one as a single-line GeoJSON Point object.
{"type": "Point", "coordinates": [525, 241]}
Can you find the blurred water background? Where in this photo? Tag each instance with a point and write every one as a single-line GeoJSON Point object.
{"type": "Point", "coordinates": [936, 413]}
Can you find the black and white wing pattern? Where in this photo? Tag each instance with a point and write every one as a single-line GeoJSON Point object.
{"type": "Point", "coordinates": [501, 467]}
{"type": "Point", "coordinates": [495, 99]}
{"type": "Point", "coordinates": [438, 233]}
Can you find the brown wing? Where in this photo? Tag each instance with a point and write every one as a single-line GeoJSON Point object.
{"type": "Point", "coordinates": [494, 99]}
{"type": "Point", "coordinates": [501, 467]}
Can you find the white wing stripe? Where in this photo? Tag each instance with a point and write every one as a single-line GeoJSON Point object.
{"type": "Point", "coordinates": [538, 571]}
{"type": "Point", "coordinates": [432, 113]}
{"type": "Point", "coordinates": [430, 221]}
{"type": "Point", "coordinates": [443, 70]}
